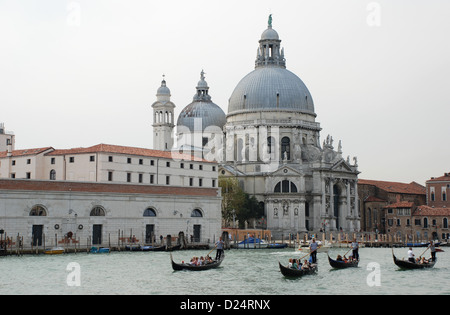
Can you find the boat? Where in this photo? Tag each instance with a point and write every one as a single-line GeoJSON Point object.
{"type": "Point", "coordinates": [406, 264]}
{"type": "Point", "coordinates": [101, 250]}
{"type": "Point", "coordinates": [172, 248]}
{"type": "Point", "coordinates": [291, 272]}
{"type": "Point", "coordinates": [54, 251]}
{"type": "Point", "coordinates": [276, 246]}
{"type": "Point", "coordinates": [323, 248]}
{"type": "Point", "coordinates": [342, 264]}
{"type": "Point", "coordinates": [253, 243]}
{"type": "Point", "coordinates": [184, 266]}
{"type": "Point", "coordinates": [150, 248]}
{"type": "Point", "coordinates": [422, 244]}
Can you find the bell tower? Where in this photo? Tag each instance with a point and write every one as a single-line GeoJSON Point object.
{"type": "Point", "coordinates": [163, 119]}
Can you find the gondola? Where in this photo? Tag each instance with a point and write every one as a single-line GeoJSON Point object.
{"type": "Point", "coordinates": [184, 266]}
{"type": "Point", "coordinates": [290, 272]}
{"type": "Point", "coordinates": [406, 264]}
{"type": "Point", "coordinates": [342, 264]}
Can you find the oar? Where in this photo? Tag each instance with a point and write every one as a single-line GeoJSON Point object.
{"type": "Point", "coordinates": [424, 251]}
{"type": "Point", "coordinates": [212, 250]}
{"type": "Point", "coordinates": [307, 254]}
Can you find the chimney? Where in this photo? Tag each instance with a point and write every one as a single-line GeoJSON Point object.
{"type": "Point", "coordinates": [9, 148]}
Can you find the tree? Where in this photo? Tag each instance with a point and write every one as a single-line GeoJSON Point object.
{"type": "Point", "coordinates": [235, 199]}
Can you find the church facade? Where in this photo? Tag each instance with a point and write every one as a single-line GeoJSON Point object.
{"type": "Point", "coordinates": [269, 140]}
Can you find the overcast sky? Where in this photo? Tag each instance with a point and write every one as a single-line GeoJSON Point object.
{"type": "Point", "coordinates": [75, 73]}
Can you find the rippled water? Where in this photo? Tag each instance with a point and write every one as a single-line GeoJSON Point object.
{"type": "Point", "coordinates": [242, 272]}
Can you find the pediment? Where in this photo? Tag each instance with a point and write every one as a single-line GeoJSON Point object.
{"type": "Point", "coordinates": [342, 166]}
{"type": "Point", "coordinates": [286, 170]}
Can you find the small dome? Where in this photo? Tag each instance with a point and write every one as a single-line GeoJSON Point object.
{"type": "Point", "coordinates": [208, 113]}
{"type": "Point", "coordinates": [202, 110]}
{"type": "Point", "coordinates": [270, 34]}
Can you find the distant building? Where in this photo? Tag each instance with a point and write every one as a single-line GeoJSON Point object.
{"type": "Point", "coordinates": [438, 190]}
{"type": "Point", "coordinates": [375, 196]}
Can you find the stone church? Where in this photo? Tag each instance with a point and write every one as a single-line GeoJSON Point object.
{"type": "Point", "coordinates": [270, 142]}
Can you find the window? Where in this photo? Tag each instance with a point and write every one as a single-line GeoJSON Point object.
{"type": "Point", "coordinates": [167, 180]}
{"type": "Point", "coordinates": [285, 186]}
{"type": "Point", "coordinates": [92, 158]}
{"type": "Point", "coordinates": [129, 177]}
{"type": "Point", "coordinates": [52, 175]}
{"type": "Point", "coordinates": [28, 161]}
{"type": "Point", "coordinates": [200, 167]}
{"type": "Point", "coordinates": [213, 183]}
{"type": "Point", "coordinates": [445, 223]}
{"type": "Point", "coordinates": [191, 181]}
{"type": "Point", "coordinates": [417, 222]}
{"type": "Point", "coordinates": [181, 165]}
{"type": "Point", "coordinates": [52, 161]}
{"type": "Point", "coordinates": [97, 211]}
{"type": "Point", "coordinates": [110, 158]}
{"type": "Point", "coordinates": [28, 175]}
{"type": "Point", "coordinates": [152, 162]}
{"type": "Point", "coordinates": [110, 176]}
{"type": "Point", "coordinates": [286, 148]}
{"type": "Point", "coordinates": [425, 223]}
{"type": "Point", "coordinates": [141, 161]}
{"type": "Point", "coordinates": [191, 166]}
{"type": "Point", "coordinates": [152, 179]}
{"type": "Point", "coordinates": [38, 211]}
{"type": "Point", "coordinates": [196, 213]}
{"type": "Point", "coordinates": [141, 178]}
{"type": "Point", "coordinates": [213, 168]}
{"type": "Point", "coordinates": [149, 212]}
{"type": "Point", "coordinates": [167, 164]}
{"type": "Point", "coordinates": [72, 159]}
{"type": "Point", "coordinates": [200, 182]}
{"type": "Point", "coordinates": [129, 160]}
{"type": "Point", "coordinates": [13, 162]}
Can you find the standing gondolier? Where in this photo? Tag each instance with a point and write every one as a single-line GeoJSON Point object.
{"type": "Point", "coordinates": [219, 251]}
{"type": "Point", "coordinates": [313, 248]}
{"type": "Point", "coordinates": [433, 251]}
{"type": "Point", "coordinates": [355, 247]}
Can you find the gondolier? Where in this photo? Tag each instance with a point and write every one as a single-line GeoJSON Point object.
{"type": "Point", "coordinates": [433, 251]}
{"type": "Point", "coordinates": [313, 248]}
{"type": "Point", "coordinates": [219, 246]}
{"type": "Point", "coordinates": [355, 247]}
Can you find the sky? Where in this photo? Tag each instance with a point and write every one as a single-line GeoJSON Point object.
{"type": "Point", "coordinates": [76, 73]}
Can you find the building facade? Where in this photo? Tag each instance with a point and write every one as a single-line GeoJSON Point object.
{"type": "Point", "coordinates": [49, 212]}
{"type": "Point", "coordinates": [438, 189]}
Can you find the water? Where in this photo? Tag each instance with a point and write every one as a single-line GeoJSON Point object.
{"type": "Point", "coordinates": [249, 272]}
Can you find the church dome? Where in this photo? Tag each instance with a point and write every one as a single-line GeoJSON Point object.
{"type": "Point", "coordinates": [202, 110]}
{"type": "Point", "coordinates": [270, 87]}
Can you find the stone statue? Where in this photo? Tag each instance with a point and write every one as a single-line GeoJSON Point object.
{"type": "Point", "coordinates": [270, 20]}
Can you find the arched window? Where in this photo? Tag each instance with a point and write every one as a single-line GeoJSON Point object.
{"type": "Point", "coordinates": [425, 223]}
{"type": "Point", "coordinates": [196, 213]}
{"type": "Point", "coordinates": [97, 211]}
{"type": "Point", "coordinates": [149, 212]}
{"type": "Point", "coordinates": [285, 186]}
{"type": "Point", "coordinates": [52, 175]}
{"type": "Point", "coordinates": [286, 148]}
{"type": "Point", "coordinates": [445, 223]}
{"type": "Point", "coordinates": [38, 211]}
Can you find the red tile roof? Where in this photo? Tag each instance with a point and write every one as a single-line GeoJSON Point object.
{"type": "Point", "coordinates": [109, 148]}
{"type": "Point", "coordinates": [446, 177]}
{"type": "Point", "coordinates": [395, 187]}
{"type": "Point", "coordinates": [374, 199]}
{"type": "Point", "coordinates": [26, 152]}
{"type": "Point", "coordinates": [116, 188]}
{"type": "Point", "coordinates": [429, 211]}
{"type": "Point", "coordinates": [401, 204]}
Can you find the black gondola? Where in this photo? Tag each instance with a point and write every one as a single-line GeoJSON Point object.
{"type": "Point", "coordinates": [406, 264]}
{"type": "Point", "coordinates": [291, 272]}
{"type": "Point", "coordinates": [342, 264]}
{"type": "Point", "coordinates": [184, 266]}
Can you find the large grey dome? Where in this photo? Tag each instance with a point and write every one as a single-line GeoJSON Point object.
{"type": "Point", "coordinates": [270, 88]}
{"type": "Point", "coordinates": [202, 110]}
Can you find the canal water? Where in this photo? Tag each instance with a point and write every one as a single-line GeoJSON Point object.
{"type": "Point", "coordinates": [243, 272]}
